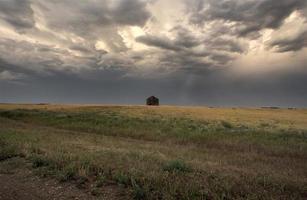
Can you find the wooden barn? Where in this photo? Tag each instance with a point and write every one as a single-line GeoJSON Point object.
{"type": "Point", "coordinates": [152, 101]}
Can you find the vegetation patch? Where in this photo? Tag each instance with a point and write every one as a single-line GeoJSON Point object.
{"type": "Point", "coordinates": [8, 150]}
{"type": "Point", "coordinates": [226, 124]}
{"type": "Point", "coordinates": [39, 161]}
{"type": "Point", "coordinates": [100, 180]}
{"type": "Point", "coordinates": [122, 178]}
{"type": "Point", "coordinates": [176, 166]}
{"type": "Point", "coordinates": [139, 192]}
{"type": "Point", "coordinates": [66, 174]}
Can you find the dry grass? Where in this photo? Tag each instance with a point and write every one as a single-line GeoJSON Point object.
{"type": "Point", "coordinates": [287, 118]}
{"type": "Point", "coordinates": [164, 152]}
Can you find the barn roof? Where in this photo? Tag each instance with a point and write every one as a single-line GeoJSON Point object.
{"type": "Point", "coordinates": [152, 97]}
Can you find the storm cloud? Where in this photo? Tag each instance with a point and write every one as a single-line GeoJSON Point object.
{"type": "Point", "coordinates": [228, 52]}
{"type": "Point", "coordinates": [17, 13]}
{"type": "Point", "coordinates": [248, 16]}
{"type": "Point", "coordinates": [295, 43]}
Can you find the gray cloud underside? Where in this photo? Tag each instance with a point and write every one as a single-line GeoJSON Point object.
{"type": "Point", "coordinates": [91, 21]}
{"type": "Point", "coordinates": [17, 13]}
{"type": "Point", "coordinates": [182, 89]}
{"type": "Point", "coordinates": [100, 20]}
{"type": "Point", "coordinates": [248, 18]}
{"type": "Point", "coordinates": [187, 50]}
{"type": "Point", "coordinates": [90, 18]}
{"type": "Point", "coordinates": [291, 44]}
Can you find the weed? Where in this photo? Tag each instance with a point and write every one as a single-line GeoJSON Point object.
{"type": "Point", "coordinates": [226, 124]}
{"type": "Point", "coordinates": [176, 166]}
{"type": "Point", "coordinates": [100, 180]}
{"type": "Point", "coordinates": [17, 114]}
{"type": "Point", "coordinates": [95, 191]}
{"type": "Point", "coordinates": [81, 181]}
{"type": "Point", "coordinates": [121, 178]}
{"type": "Point", "coordinates": [66, 174]}
{"type": "Point", "coordinates": [39, 161]}
{"type": "Point", "coordinates": [8, 151]}
{"type": "Point", "coordinates": [138, 192]}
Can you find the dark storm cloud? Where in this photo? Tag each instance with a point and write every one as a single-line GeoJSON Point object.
{"type": "Point", "coordinates": [226, 44]}
{"type": "Point", "coordinates": [17, 13]}
{"type": "Point", "coordinates": [11, 73]}
{"type": "Point", "coordinates": [89, 18]}
{"type": "Point", "coordinates": [39, 58]}
{"type": "Point", "coordinates": [160, 42]}
{"type": "Point", "coordinates": [9, 76]}
{"type": "Point", "coordinates": [193, 62]}
{"type": "Point", "coordinates": [189, 51]}
{"type": "Point", "coordinates": [131, 12]}
{"type": "Point", "coordinates": [80, 48]}
{"type": "Point", "coordinates": [74, 27]}
{"type": "Point", "coordinates": [287, 90]}
{"type": "Point", "coordinates": [5, 66]}
{"type": "Point", "coordinates": [185, 38]}
{"type": "Point", "coordinates": [176, 56]}
{"type": "Point", "coordinates": [291, 44]}
{"type": "Point", "coordinates": [249, 16]}
{"type": "Point", "coordinates": [213, 89]}
{"type": "Point", "coordinates": [92, 20]}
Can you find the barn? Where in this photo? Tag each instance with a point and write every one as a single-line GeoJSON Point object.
{"type": "Point", "coordinates": [152, 101]}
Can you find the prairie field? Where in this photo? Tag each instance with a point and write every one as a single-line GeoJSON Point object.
{"type": "Point", "coordinates": [165, 152]}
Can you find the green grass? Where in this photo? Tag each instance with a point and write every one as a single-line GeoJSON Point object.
{"type": "Point", "coordinates": [149, 128]}
{"type": "Point", "coordinates": [152, 154]}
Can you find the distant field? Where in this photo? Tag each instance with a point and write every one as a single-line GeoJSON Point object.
{"type": "Point", "coordinates": [162, 152]}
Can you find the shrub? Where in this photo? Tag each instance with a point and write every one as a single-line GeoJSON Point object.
{"type": "Point", "coordinates": [176, 166]}
{"type": "Point", "coordinates": [101, 179]}
{"type": "Point", "coordinates": [81, 182]}
{"type": "Point", "coordinates": [66, 174]}
{"type": "Point", "coordinates": [39, 161]}
{"type": "Point", "coordinates": [138, 192]}
{"type": "Point", "coordinates": [7, 151]}
{"type": "Point", "coordinates": [95, 191]}
{"type": "Point", "coordinates": [226, 124]}
{"type": "Point", "coordinates": [16, 114]}
{"type": "Point", "coordinates": [121, 179]}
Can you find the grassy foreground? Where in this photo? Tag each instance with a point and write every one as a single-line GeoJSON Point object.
{"type": "Point", "coordinates": [163, 152]}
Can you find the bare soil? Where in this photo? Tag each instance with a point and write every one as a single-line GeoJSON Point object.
{"type": "Point", "coordinates": [21, 183]}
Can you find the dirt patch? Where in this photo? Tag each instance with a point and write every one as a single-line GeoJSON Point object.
{"type": "Point", "coordinates": [18, 182]}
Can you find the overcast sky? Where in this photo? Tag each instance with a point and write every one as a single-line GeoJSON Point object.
{"type": "Point", "coordinates": [186, 52]}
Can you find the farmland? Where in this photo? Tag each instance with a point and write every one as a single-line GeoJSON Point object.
{"type": "Point", "coordinates": [165, 152]}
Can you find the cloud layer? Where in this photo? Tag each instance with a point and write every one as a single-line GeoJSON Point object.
{"type": "Point", "coordinates": [184, 42]}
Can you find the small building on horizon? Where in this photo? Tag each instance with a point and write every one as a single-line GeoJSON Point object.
{"type": "Point", "coordinates": [152, 101]}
